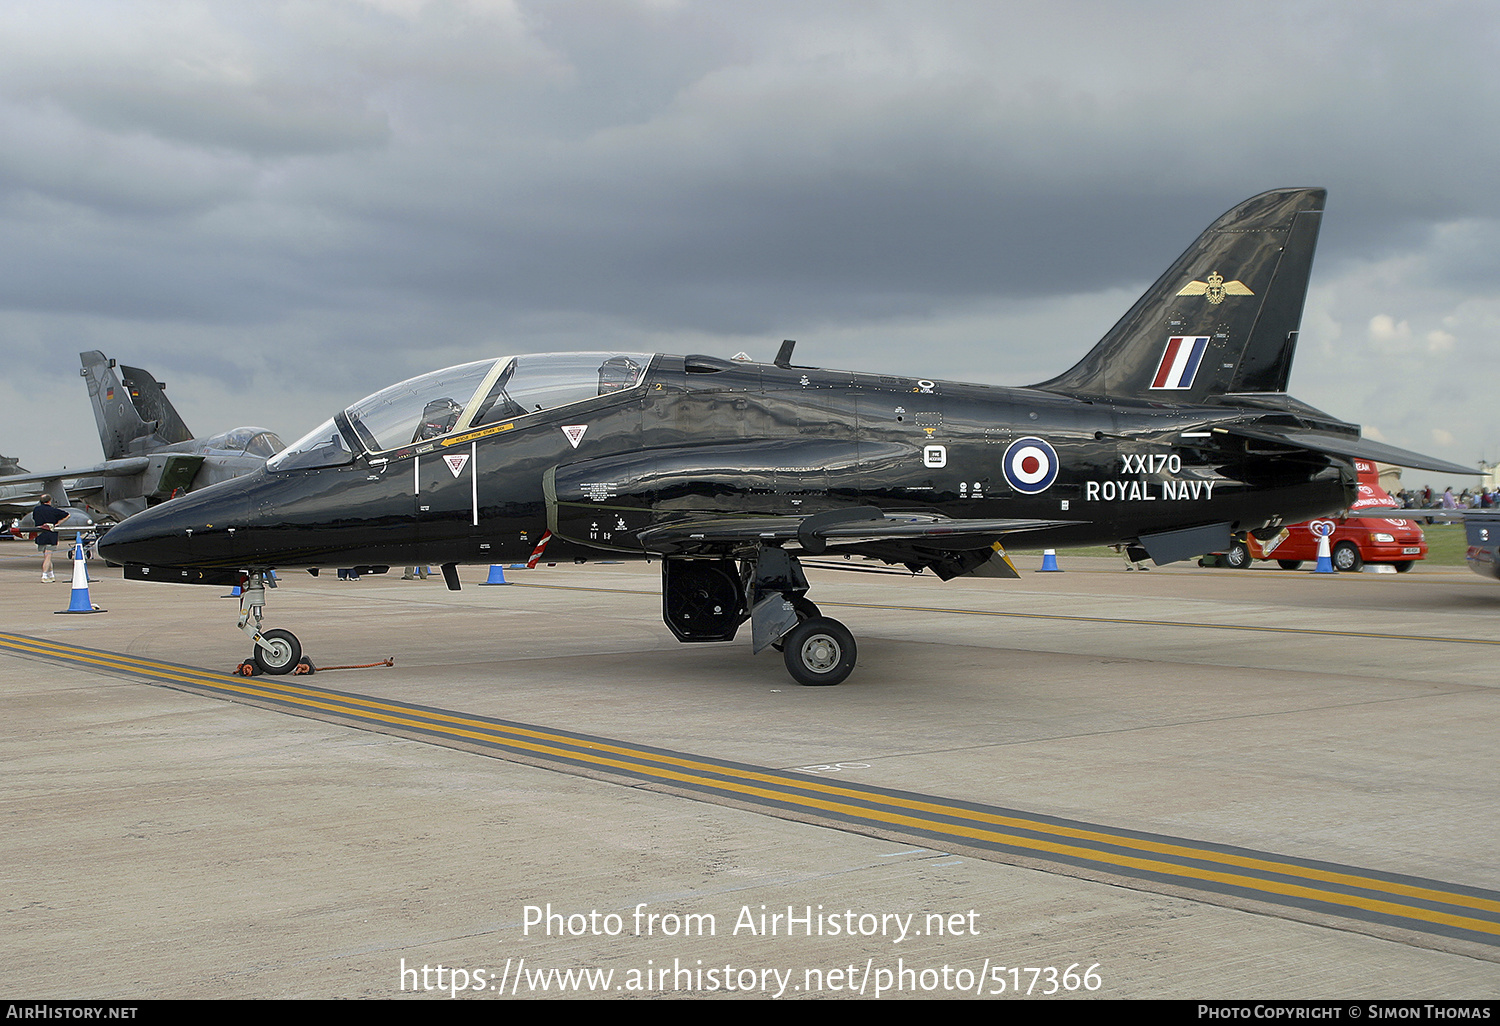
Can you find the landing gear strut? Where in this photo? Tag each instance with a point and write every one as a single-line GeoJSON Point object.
{"type": "Point", "coordinates": [276, 651]}
{"type": "Point", "coordinates": [818, 650]}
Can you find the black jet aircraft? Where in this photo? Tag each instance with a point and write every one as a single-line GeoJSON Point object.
{"type": "Point", "coordinates": [1173, 435]}
{"type": "Point", "coordinates": [149, 453]}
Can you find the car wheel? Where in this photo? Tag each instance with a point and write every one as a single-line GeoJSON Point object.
{"type": "Point", "coordinates": [1346, 558]}
{"type": "Point", "coordinates": [1237, 556]}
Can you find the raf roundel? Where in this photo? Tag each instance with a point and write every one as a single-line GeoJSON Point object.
{"type": "Point", "coordinates": [1030, 465]}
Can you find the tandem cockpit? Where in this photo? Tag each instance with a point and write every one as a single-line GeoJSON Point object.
{"type": "Point", "coordinates": [462, 398]}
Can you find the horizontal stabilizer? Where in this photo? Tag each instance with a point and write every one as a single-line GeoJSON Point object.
{"type": "Point", "coordinates": [1447, 516]}
{"type": "Point", "coordinates": [1349, 447]}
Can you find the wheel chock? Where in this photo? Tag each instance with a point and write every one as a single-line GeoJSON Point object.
{"type": "Point", "coordinates": [247, 668]}
{"type": "Point", "coordinates": [304, 667]}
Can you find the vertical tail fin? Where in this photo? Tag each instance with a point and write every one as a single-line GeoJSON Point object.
{"type": "Point", "coordinates": [1224, 316]}
{"type": "Point", "coordinates": [130, 407]}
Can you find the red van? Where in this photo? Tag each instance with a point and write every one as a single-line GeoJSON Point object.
{"type": "Point", "coordinates": [1353, 543]}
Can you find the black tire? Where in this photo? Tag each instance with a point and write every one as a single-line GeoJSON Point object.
{"type": "Point", "coordinates": [1346, 558]}
{"type": "Point", "coordinates": [283, 654]}
{"type": "Point", "coordinates": [1237, 556]}
{"type": "Point", "coordinates": [1289, 564]}
{"type": "Point", "coordinates": [819, 652]}
{"type": "Point", "coordinates": [1404, 566]}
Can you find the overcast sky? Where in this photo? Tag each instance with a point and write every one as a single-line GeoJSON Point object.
{"type": "Point", "coordinates": [279, 208]}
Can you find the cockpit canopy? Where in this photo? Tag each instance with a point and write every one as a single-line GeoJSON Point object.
{"type": "Point", "coordinates": [460, 398]}
{"type": "Point", "coordinates": [252, 441]}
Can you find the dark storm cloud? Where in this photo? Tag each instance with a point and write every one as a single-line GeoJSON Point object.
{"type": "Point", "coordinates": [388, 184]}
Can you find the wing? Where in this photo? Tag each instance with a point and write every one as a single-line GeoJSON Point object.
{"type": "Point", "coordinates": [814, 534]}
{"type": "Point", "coordinates": [947, 546]}
{"type": "Point", "coordinates": [716, 500]}
{"type": "Point", "coordinates": [109, 468]}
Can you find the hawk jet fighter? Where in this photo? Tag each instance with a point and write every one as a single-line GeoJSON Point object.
{"type": "Point", "coordinates": [1171, 437]}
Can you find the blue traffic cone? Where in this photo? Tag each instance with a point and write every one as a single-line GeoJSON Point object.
{"type": "Point", "coordinates": [80, 603]}
{"type": "Point", "coordinates": [497, 575]}
{"type": "Point", "coordinates": [1325, 558]}
{"type": "Point", "coordinates": [1049, 562]}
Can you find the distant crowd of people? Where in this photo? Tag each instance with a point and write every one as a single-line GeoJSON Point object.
{"type": "Point", "coordinates": [1426, 498]}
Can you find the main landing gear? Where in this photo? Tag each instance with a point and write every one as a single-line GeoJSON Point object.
{"type": "Point", "coordinates": [276, 651]}
{"type": "Point", "coordinates": [708, 599]}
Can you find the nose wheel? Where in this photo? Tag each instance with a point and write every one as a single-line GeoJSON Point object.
{"type": "Point", "coordinates": [277, 652]}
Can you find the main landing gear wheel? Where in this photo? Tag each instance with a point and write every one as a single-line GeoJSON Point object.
{"type": "Point", "coordinates": [819, 652]}
{"type": "Point", "coordinates": [281, 653]}
{"type": "Point", "coordinates": [1289, 564]}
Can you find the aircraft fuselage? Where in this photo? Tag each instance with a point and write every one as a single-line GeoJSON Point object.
{"type": "Point", "coordinates": [704, 436]}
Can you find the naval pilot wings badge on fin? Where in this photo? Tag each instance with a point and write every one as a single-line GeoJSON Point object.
{"type": "Point", "coordinates": [1215, 289]}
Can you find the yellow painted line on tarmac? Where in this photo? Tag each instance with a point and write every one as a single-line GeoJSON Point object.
{"type": "Point", "coordinates": [1174, 860]}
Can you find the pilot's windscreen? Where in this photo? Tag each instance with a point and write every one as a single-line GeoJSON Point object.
{"type": "Point", "coordinates": [323, 446]}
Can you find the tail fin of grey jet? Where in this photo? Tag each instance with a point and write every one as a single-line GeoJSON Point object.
{"type": "Point", "coordinates": [1222, 319]}
{"type": "Point", "coordinates": [131, 408]}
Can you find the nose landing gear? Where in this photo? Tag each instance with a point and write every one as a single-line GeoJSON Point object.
{"type": "Point", "coordinates": [276, 651]}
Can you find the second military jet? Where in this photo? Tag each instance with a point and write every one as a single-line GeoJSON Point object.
{"type": "Point", "coordinates": [149, 453]}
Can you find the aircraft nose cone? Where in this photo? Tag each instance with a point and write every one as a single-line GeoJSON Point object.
{"type": "Point", "coordinates": [193, 530]}
{"type": "Point", "coordinates": [154, 537]}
